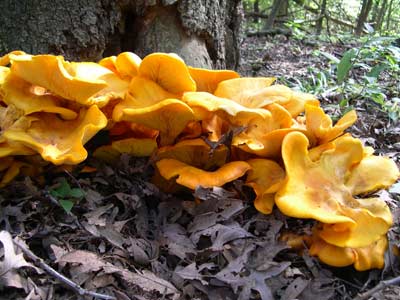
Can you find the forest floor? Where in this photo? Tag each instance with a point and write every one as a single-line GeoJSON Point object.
{"type": "Point", "coordinates": [126, 239]}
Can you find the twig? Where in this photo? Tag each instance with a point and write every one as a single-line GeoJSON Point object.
{"type": "Point", "coordinates": [380, 286]}
{"type": "Point", "coordinates": [75, 287]}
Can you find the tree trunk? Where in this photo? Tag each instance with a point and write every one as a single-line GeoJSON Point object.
{"type": "Point", "coordinates": [362, 17]}
{"type": "Point", "coordinates": [375, 11]}
{"type": "Point", "coordinates": [256, 10]}
{"type": "Point", "coordinates": [381, 15]}
{"type": "Point", "coordinates": [204, 33]}
{"type": "Point", "coordinates": [321, 17]}
{"type": "Point", "coordinates": [274, 12]}
{"type": "Point", "coordinates": [389, 15]}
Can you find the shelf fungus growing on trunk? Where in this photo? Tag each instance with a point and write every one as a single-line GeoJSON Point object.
{"type": "Point", "coordinates": [205, 128]}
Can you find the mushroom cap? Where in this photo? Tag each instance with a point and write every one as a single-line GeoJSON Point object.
{"type": "Point", "coordinates": [317, 190]}
{"type": "Point", "coordinates": [9, 148]}
{"type": "Point", "coordinates": [362, 180]}
{"type": "Point", "coordinates": [127, 65]}
{"type": "Point", "coordinates": [267, 145]}
{"type": "Point", "coordinates": [109, 63]}
{"type": "Point", "coordinates": [86, 83]}
{"type": "Point", "coordinates": [265, 177]}
{"type": "Point", "coordinates": [5, 59]}
{"type": "Point", "coordinates": [144, 92]}
{"type": "Point", "coordinates": [320, 125]}
{"type": "Point", "coordinates": [298, 101]}
{"type": "Point", "coordinates": [135, 147]}
{"type": "Point", "coordinates": [62, 142]}
{"type": "Point", "coordinates": [332, 255]}
{"type": "Point", "coordinates": [203, 103]}
{"type": "Point", "coordinates": [257, 122]}
{"type": "Point", "coordinates": [168, 71]}
{"type": "Point", "coordinates": [169, 116]}
{"type": "Point", "coordinates": [363, 258]}
{"type": "Point", "coordinates": [194, 152]}
{"type": "Point", "coordinates": [246, 91]}
{"type": "Point", "coordinates": [192, 177]}
{"type": "Point", "coordinates": [31, 99]}
{"type": "Point", "coordinates": [208, 80]}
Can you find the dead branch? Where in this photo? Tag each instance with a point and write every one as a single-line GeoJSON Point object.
{"type": "Point", "coordinates": [75, 287]}
{"type": "Point", "coordinates": [380, 286]}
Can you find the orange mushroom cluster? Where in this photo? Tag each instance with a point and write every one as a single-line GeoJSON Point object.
{"type": "Point", "coordinates": [203, 128]}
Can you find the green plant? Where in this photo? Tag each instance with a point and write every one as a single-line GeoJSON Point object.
{"type": "Point", "coordinates": [368, 72]}
{"type": "Point", "coordinates": [66, 195]}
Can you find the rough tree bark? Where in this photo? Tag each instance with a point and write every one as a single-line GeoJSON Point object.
{"type": "Point", "coordinates": [205, 33]}
{"type": "Point", "coordinates": [363, 16]}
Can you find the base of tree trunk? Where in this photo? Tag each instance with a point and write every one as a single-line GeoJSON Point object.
{"type": "Point", "coordinates": [204, 33]}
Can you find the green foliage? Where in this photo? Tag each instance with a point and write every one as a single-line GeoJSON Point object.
{"type": "Point", "coordinates": [345, 64]}
{"type": "Point", "coordinates": [296, 27]}
{"type": "Point", "coordinates": [346, 11]}
{"type": "Point", "coordinates": [66, 195]}
{"type": "Point", "coordinates": [369, 72]}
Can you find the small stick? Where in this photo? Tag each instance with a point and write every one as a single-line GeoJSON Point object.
{"type": "Point", "coordinates": [380, 286]}
{"type": "Point", "coordinates": [75, 287]}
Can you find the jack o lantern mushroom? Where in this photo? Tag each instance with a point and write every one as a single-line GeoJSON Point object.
{"type": "Point", "coordinates": [127, 65]}
{"type": "Point", "coordinates": [169, 116]}
{"type": "Point", "coordinates": [168, 71]}
{"type": "Point", "coordinates": [265, 177]}
{"type": "Point", "coordinates": [363, 258]}
{"type": "Point", "coordinates": [194, 152]}
{"type": "Point", "coordinates": [319, 124]}
{"type": "Point", "coordinates": [192, 177]}
{"type": "Point", "coordinates": [317, 190]}
{"type": "Point", "coordinates": [259, 92]}
{"type": "Point", "coordinates": [86, 83]}
{"type": "Point", "coordinates": [31, 99]}
{"type": "Point", "coordinates": [208, 80]}
{"type": "Point", "coordinates": [62, 142]}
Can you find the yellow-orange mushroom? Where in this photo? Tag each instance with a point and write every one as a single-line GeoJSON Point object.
{"type": "Point", "coordinates": [62, 142]}
{"type": "Point", "coordinates": [194, 152]}
{"type": "Point", "coordinates": [168, 71]}
{"type": "Point", "coordinates": [9, 148]}
{"type": "Point", "coordinates": [86, 83]}
{"type": "Point", "coordinates": [363, 258]}
{"type": "Point", "coordinates": [135, 147]}
{"type": "Point", "coordinates": [319, 124]}
{"type": "Point", "coordinates": [127, 65]}
{"type": "Point", "coordinates": [169, 116]}
{"type": "Point", "coordinates": [192, 177]}
{"type": "Point", "coordinates": [23, 96]}
{"type": "Point", "coordinates": [317, 190]}
{"type": "Point", "coordinates": [245, 91]}
{"type": "Point", "coordinates": [208, 80]}
{"type": "Point", "coordinates": [265, 177]}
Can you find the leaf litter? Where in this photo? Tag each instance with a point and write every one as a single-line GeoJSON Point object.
{"type": "Point", "coordinates": [125, 239]}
